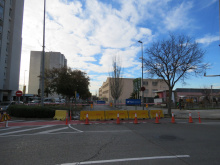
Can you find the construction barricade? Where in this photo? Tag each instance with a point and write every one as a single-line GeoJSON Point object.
{"type": "Point", "coordinates": [110, 115]}
{"type": "Point", "coordinates": [92, 115]}
{"type": "Point", "coordinates": [60, 115]}
{"type": "Point", "coordinates": [153, 113]}
{"type": "Point", "coordinates": [141, 114]}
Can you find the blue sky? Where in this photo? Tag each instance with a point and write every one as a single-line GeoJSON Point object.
{"type": "Point", "coordinates": [90, 33]}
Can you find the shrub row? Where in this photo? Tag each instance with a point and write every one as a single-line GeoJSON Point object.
{"type": "Point", "coordinates": [31, 111]}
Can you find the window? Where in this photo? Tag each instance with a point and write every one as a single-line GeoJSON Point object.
{"type": "Point", "coordinates": [154, 83]}
{"type": "Point", "coordinates": [1, 13]}
{"type": "Point", "coordinates": [10, 11]}
{"type": "Point", "coordinates": [2, 3]}
{"type": "Point", "coordinates": [7, 48]}
{"type": "Point", "coordinates": [145, 82]}
{"type": "Point", "coordinates": [8, 35]}
{"type": "Point", "coordinates": [154, 90]}
{"type": "Point", "coordinates": [146, 91]}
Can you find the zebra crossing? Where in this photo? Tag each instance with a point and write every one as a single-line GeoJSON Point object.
{"type": "Point", "coordinates": [37, 130]}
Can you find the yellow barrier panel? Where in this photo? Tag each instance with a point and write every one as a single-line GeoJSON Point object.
{"type": "Point", "coordinates": [109, 115]}
{"type": "Point", "coordinates": [141, 114]}
{"type": "Point", "coordinates": [92, 115]}
{"type": "Point", "coordinates": [153, 113]}
{"type": "Point", "coordinates": [60, 115]}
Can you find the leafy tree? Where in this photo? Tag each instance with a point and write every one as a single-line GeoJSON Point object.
{"type": "Point", "coordinates": [137, 86]}
{"type": "Point", "coordinates": [174, 59]}
{"type": "Point", "coordinates": [115, 82]}
{"type": "Point", "coordinates": [66, 81]}
{"type": "Point", "coordinates": [133, 95]}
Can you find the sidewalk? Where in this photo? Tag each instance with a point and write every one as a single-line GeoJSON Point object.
{"type": "Point", "coordinates": [182, 114]}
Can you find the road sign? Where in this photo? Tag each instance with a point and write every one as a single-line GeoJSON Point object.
{"type": "Point", "coordinates": [18, 93]}
{"type": "Point", "coordinates": [142, 88]}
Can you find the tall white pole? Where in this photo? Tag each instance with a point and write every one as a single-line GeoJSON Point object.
{"type": "Point", "coordinates": [42, 60]}
{"type": "Point", "coordinates": [142, 97]}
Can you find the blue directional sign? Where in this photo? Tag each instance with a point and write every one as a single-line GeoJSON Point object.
{"type": "Point", "coordinates": [100, 102]}
{"type": "Point", "coordinates": [133, 101]}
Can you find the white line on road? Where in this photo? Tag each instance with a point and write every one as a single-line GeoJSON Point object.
{"type": "Point", "coordinates": [120, 131]}
{"type": "Point", "coordinates": [8, 128]}
{"type": "Point", "coordinates": [52, 130]}
{"type": "Point", "coordinates": [210, 123]}
{"type": "Point", "coordinates": [129, 159]}
{"type": "Point", "coordinates": [23, 130]}
{"type": "Point", "coordinates": [74, 128]}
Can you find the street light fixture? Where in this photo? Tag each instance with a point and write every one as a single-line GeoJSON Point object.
{"type": "Point", "coordinates": [142, 97]}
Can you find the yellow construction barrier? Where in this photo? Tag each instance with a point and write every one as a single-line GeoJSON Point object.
{"type": "Point", "coordinates": [153, 113]}
{"type": "Point", "coordinates": [60, 115]}
{"type": "Point", "coordinates": [141, 114]}
{"type": "Point", "coordinates": [92, 115]}
{"type": "Point", "coordinates": [109, 115]}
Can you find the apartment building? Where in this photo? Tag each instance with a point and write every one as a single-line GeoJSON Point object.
{"type": "Point", "coordinates": [11, 19]}
{"type": "Point", "coordinates": [52, 60]}
{"type": "Point", "coordinates": [151, 86]}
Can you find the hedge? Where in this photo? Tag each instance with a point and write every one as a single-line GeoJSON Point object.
{"type": "Point", "coordinates": [31, 111]}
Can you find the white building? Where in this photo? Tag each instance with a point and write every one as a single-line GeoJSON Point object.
{"type": "Point", "coordinates": [52, 60]}
{"type": "Point", "coordinates": [11, 19]}
{"type": "Point", "coordinates": [151, 86]}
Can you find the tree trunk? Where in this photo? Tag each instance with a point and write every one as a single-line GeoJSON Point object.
{"type": "Point", "coordinates": [170, 101]}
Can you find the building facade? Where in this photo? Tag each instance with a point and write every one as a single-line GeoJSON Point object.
{"type": "Point", "coordinates": [11, 19]}
{"type": "Point", "coordinates": [151, 86]}
{"type": "Point", "coordinates": [52, 60]}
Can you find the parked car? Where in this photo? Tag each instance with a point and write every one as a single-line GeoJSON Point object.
{"type": "Point", "coordinates": [35, 101]}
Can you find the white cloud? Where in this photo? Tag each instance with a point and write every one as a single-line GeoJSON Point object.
{"type": "Point", "coordinates": [178, 16]}
{"type": "Point", "coordinates": [90, 33]}
{"type": "Point", "coordinates": [208, 39]}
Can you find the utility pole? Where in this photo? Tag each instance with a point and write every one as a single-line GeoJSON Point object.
{"type": "Point", "coordinates": [42, 59]}
{"type": "Point", "coordinates": [142, 85]}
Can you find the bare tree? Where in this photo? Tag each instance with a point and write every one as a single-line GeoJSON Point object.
{"type": "Point", "coordinates": [175, 59]}
{"type": "Point", "coordinates": [116, 84]}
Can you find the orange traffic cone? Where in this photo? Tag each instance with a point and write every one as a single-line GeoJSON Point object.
{"type": "Point", "coordinates": [66, 118]}
{"type": "Point", "coordinates": [159, 114]}
{"type": "Point", "coordinates": [173, 119]}
{"type": "Point", "coordinates": [135, 119]}
{"type": "Point", "coordinates": [118, 120]}
{"type": "Point", "coordinates": [157, 119]}
{"type": "Point", "coordinates": [87, 119]}
{"type": "Point", "coordinates": [199, 118]}
{"type": "Point", "coordinates": [190, 118]}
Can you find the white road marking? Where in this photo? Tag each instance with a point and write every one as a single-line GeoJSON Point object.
{"type": "Point", "coordinates": [74, 128]}
{"type": "Point", "coordinates": [108, 131]}
{"type": "Point", "coordinates": [129, 159]}
{"type": "Point", "coordinates": [210, 123]}
{"type": "Point", "coordinates": [52, 130]}
{"type": "Point", "coordinates": [11, 121]}
{"type": "Point", "coordinates": [30, 129]}
{"type": "Point", "coordinates": [8, 128]}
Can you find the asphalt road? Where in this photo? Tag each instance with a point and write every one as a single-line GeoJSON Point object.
{"type": "Point", "coordinates": [112, 144]}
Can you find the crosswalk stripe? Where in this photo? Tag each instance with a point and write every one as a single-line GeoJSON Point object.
{"type": "Point", "coordinates": [52, 130]}
{"type": "Point", "coordinates": [24, 130]}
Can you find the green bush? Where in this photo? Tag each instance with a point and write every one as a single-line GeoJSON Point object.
{"type": "Point", "coordinates": [31, 111]}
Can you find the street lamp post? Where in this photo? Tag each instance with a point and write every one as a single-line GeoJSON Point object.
{"type": "Point", "coordinates": [24, 87]}
{"type": "Point", "coordinates": [42, 60]}
{"type": "Point", "coordinates": [142, 97]}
